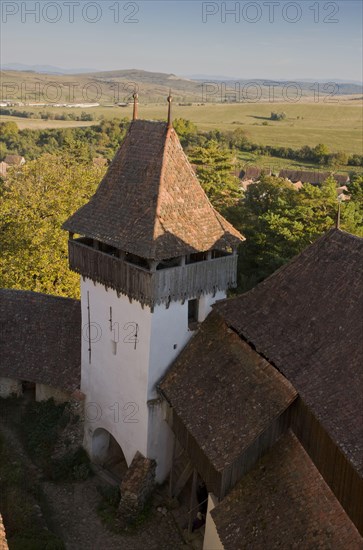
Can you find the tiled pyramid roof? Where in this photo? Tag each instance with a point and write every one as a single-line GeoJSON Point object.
{"type": "Point", "coordinates": [150, 202]}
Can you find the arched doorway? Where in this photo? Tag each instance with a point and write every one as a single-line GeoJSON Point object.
{"type": "Point", "coordinates": [107, 453]}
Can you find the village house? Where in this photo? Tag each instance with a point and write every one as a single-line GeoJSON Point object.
{"type": "Point", "coordinates": [251, 174]}
{"type": "Point", "coordinates": [258, 395]}
{"type": "Point", "coordinates": [343, 193]}
{"type": "Point", "coordinates": [14, 160]}
{"type": "Point", "coordinates": [314, 177]}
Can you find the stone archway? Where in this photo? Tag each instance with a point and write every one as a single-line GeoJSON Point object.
{"type": "Point", "coordinates": [107, 453]}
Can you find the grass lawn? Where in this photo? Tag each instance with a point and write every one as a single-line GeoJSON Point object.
{"type": "Point", "coordinates": [275, 164]}
{"type": "Point", "coordinates": [338, 125]}
{"type": "Point", "coordinates": [38, 124]}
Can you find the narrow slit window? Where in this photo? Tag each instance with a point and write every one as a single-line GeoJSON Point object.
{"type": "Point", "coordinates": [192, 314]}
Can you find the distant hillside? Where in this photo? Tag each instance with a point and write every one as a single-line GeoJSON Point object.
{"type": "Point", "coordinates": [48, 69]}
{"type": "Point", "coordinates": [110, 87]}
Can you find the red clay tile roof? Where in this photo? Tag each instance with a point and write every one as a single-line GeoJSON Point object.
{"type": "Point", "coordinates": [306, 319]}
{"type": "Point", "coordinates": [284, 503]}
{"type": "Point", "coordinates": [150, 202]}
{"type": "Point", "coordinates": [225, 393]}
{"type": "Point", "coordinates": [40, 340]}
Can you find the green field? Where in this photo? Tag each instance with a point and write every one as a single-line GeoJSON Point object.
{"type": "Point", "coordinates": [338, 125]}
{"type": "Point", "coordinates": [38, 124]}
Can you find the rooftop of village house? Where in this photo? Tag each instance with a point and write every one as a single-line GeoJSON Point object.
{"type": "Point", "coordinates": [40, 340]}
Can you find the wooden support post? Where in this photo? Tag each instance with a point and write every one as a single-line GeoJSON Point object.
{"type": "Point", "coordinates": [153, 265]}
{"type": "Point", "coordinates": [192, 501]}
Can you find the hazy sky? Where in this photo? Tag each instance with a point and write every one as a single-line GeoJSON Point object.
{"type": "Point", "coordinates": [266, 39]}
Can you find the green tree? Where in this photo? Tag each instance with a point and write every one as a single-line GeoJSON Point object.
{"type": "Point", "coordinates": [355, 189]}
{"type": "Point", "coordinates": [185, 129]}
{"type": "Point", "coordinates": [321, 153]}
{"type": "Point", "coordinates": [36, 200]}
{"type": "Point", "coordinates": [214, 166]}
{"type": "Point", "coordinates": [279, 221]}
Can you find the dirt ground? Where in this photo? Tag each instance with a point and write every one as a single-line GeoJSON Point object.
{"type": "Point", "coordinates": [72, 511]}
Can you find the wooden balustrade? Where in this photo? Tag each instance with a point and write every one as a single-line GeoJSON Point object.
{"type": "Point", "coordinates": [153, 287]}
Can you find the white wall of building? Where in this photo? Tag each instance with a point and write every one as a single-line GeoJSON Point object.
{"type": "Point", "coordinates": [211, 538]}
{"type": "Point", "coordinates": [9, 387]}
{"type": "Point", "coordinates": [206, 301]}
{"type": "Point", "coordinates": [115, 384]}
{"type": "Point", "coordinates": [43, 393]}
{"type": "Point", "coordinates": [126, 364]}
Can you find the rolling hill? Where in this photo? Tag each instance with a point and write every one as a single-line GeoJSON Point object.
{"type": "Point", "coordinates": [117, 86]}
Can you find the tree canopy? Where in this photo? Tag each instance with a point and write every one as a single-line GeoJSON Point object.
{"type": "Point", "coordinates": [214, 164]}
{"type": "Point", "coordinates": [36, 200]}
{"type": "Point", "coordinates": [279, 221]}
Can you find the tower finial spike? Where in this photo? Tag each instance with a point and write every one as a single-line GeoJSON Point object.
{"type": "Point", "coordinates": [169, 110]}
{"type": "Point", "coordinates": [134, 114]}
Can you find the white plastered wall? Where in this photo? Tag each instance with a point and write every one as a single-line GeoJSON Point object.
{"type": "Point", "coordinates": [120, 381]}
{"type": "Point", "coordinates": [8, 386]}
{"type": "Point", "coordinates": [211, 538]}
{"type": "Point", "coordinates": [115, 385]}
{"type": "Point", "coordinates": [43, 393]}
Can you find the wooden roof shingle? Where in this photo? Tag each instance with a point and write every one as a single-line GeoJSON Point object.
{"type": "Point", "coordinates": [314, 177]}
{"type": "Point", "coordinates": [40, 339]}
{"type": "Point", "coordinates": [283, 502]}
{"type": "Point", "coordinates": [306, 319]}
{"type": "Point", "coordinates": [225, 394]}
{"type": "Point", "coordinates": [150, 202]}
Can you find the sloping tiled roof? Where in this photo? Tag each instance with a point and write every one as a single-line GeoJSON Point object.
{"type": "Point", "coordinates": [283, 502]}
{"type": "Point", "coordinates": [251, 173]}
{"type": "Point", "coordinates": [225, 393]}
{"type": "Point", "coordinates": [341, 179]}
{"type": "Point", "coordinates": [306, 319]}
{"type": "Point", "coordinates": [315, 177]}
{"type": "Point", "coordinates": [14, 159]}
{"type": "Point", "coordinates": [150, 202]}
{"type": "Point", "coordinates": [40, 340]}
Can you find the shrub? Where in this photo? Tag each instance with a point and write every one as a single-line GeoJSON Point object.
{"type": "Point", "coordinates": [278, 116]}
{"type": "Point", "coordinates": [73, 466]}
{"type": "Point", "coordinates": [40, 428]}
